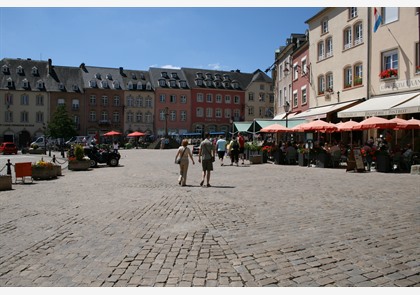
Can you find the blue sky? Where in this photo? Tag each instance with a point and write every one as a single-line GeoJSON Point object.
{"type": "Point", "coordinates": [140, 37]}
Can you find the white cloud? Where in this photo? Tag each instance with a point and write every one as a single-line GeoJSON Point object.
{"type": "Point", "coordinates": [170, 67]}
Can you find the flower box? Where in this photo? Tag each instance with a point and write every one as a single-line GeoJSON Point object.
{"type": "Point", "coordinates": [389, 73]}
{"type": "Point", "coordinates": [76, 165]}
{"type": "Point", "coordinates": [255, 159]}
{"type": "Point", "coordinates": [5, 182]}
{"type": "Point", "coordinates": [43, 173]}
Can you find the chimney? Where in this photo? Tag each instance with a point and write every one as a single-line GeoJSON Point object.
{"type": "Point", "coordinates": [122, 72]}
{"type": "Point", "coordinates": [83, 67]}
{"type": "Point", "coordinates": [49, 67]}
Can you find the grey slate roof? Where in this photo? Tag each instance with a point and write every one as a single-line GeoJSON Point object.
{"type": "Point", "coordinates": [177, 75]}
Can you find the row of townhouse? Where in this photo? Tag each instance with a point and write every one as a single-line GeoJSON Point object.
{"type": "Point", "coordinates": [99, 99]}
{"type": "Point", "coordinates": [344, 67]}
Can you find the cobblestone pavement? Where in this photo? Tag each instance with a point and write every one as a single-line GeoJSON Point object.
{"type": "Point", "coordinates": [258, 225]}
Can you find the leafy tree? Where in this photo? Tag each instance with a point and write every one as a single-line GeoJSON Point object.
{"type": "Point", "coordinates": [61, 125]}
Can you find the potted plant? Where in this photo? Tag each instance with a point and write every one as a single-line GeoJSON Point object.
{"type": "Point", "coordinates": [42, 170]}
{"type": "Point", "coordinates": [77, 159]}
{"type": "Point", "coordinates": [388, 73]}
{"type": "Point", "coordinates": [417, 69]}
{"type": "Point", "coordinates": [358, 81]}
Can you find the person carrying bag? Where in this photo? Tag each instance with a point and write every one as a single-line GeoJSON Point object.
{"type": "Point", "coordinates": [183, 162]}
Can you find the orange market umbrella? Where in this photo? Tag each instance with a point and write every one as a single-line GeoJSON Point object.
{"type": "Point", "coordinates": [412, 120]}
{"type": "Point", "coordinates": [347, 126]}
{"type": "Point", "coordinates": [375, 123]}
{"type": "Point", "coordinates": [136, 134]}
{"type": "Point", "coordinates": [318, 125]}
{"type": "Point", "coordinates": [297, 128]}
{"type": "Point", "coordinates": [275, 128]}
{"type": "Point", "coordinates": [112, 133]}
{"type": "Point", "coordinates": [404, 124]}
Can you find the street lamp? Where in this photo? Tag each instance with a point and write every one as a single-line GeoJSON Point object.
{"type": "Point", "coordinates": [286, 107]}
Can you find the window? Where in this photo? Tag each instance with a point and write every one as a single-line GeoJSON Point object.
{"type": "Point", "coordinates": [183, 98]}
{"type": "Point", "coordinates": [199, 82]}
{"type": "Point", "coordinates": [19, 70]}
{"type": "Point", "coordinates": [236, 99]}
{"type": "Point", "coordinates": [218, 113]}
{"type": "Point", "coordinates": [271, 97]}
{"type": "Point", "coordinates": [104, 116]}
{"type": "Point", "coordinates": [329, 80]}
{"type": "Point", "coordinates": [148, 102]}
{"type": "Point", "coordinates": [236, 114]}
{"type": "Point", "coordinates": [200, 97]}
{"type": "Point", "coordinates": [295, 72]}
{"type": "Point", "coordinates": [148, 86]}
{"type": "Point", "coordinates": [116, 84]}
{"type": "Point", "coordinates": [162, 83]}
{"type": "Point", "coordinates": [92, 100]}
{"type": "Point", "coordinates": [347, 38]}
{"type": "Point", "coordinates": [251, 96]}
{"type": "Point", "coordinates": [76, 120]}
{"type": "Point", "coordinates": [227, 98]}
{"type": "Point", "coordinates": [92, 83]}
{"type": "Point", "coordinates": [8, 116]}
{"type": "Point", "coordinates": [358, 33]}
{"type": "Point", "coordinates": [261, 111]}
{"type": "Point", "coordinates": [304, 96]}
{"type": "Point", "coordinates": [172, 98]}
{"type": "Point", "coordinates": [321, 51]}
{"type": "Point", "coordinates": [75, 104]}
{"type": "Point", "coordinates": [130, 85]}
{"type": "Point", "coordinates": [321, 85]}
{"type": "Point", "coordinates": [39, 100]}
{"type": "Point", "coordinates": [200, 112]}
{"type": "Point", "coordinates": [139, 117]}
{"type": "Point", "coordinates": [24, 117]}
{"type": "Point", "coordinates": [183, 116]}
{"type": "Point", "coordinates": [25, 83]}
{"type": "Point", "coordinates": [104, 100]}
{"type": "Point", "coordinates": [116, 101]}
{"type": "Point", "coordinates": [348, 77]}
{"type": "Point", "coordinates": [352, 12]}
{"type": "Point", "coordinates": [183, 83]}
{"type": "Point", "coordinates": [172, 83]}
{"type": "Point", "coordinates": [390, 60]}
{"type": "Point", "coordinates": [139, 86]}
{"type": "Point", "coordinates": [129, 101]}
{"type": "Point", "coordinates": [228, 113]}
{"type": "Point", "coordinates": [324, 26]}
{"type": "Point", "coordinates": [116, 117]}
{"type": "Point", "coordinates": [329, 47]}
{"type": "Point", "coordinates": [162, 115]}
{"type": "Point", "coordinates": [104, 84]}
{"type": "Point", "coordinates": [389, 15]}
{"type": "Point", "coordinates": [148, 117]}
{"type": "Point", "coordinates": [39, 117]}
{"type": "Point", "coordinates": [262, 86]}
{"type": "Point", "coordinates": [129, 117]}
{"type": "Point", "coordinates": [358, 75]}
{"type": "Point", "coordinates": [219, 98]}
{"type": "Point", "coordinates": [61, 102]}
{"type": "Point", "coordinates": [262, 97]}
{"type": "Point", "coordinates": [10, 83]}
{"type": "Point", "coordinates": [92, 116]}
{"type": "Point", "coordinates": [209, 113]}
{"type": "Point", "coordinates": [209, 97]}
{"type": "Point", "coordinates": [295, 98]}
{"type": "Point", "coordinates": [162, 98]}
{"type": "Point", "coordinates": [251, 110]}
{"type": "Point", "coordinates": [139, 102]}
{"type": "Point", "coordinates": [24, 99]}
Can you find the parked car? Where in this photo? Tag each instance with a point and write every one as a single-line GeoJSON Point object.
{"type": "Point", "coordinates": [86, 139]}
{"type": "Point", "coordinates": [8, 148]}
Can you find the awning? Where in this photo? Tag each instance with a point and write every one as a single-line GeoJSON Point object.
{"type": "Point", "coordinates": [322, 112]}
{"type": "Point", "coordinates": [385, 105]}
{"type": "Point", "coordinates": [283, 116]}
{"type": "Point", "coordinates": [242, 126]}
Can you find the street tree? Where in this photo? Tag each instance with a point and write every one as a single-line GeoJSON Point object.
{"type": "Point", "coordinates": [61, 125]}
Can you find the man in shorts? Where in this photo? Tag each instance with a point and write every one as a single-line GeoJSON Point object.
{"type": "Point", "coordinates": [221, 148]}
{"type": "Point", "coordinates": [206, 152]}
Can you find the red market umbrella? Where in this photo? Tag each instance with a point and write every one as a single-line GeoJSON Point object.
{"type": "Point", "coordinates": [412, 120]}
{"type": "Point", "coordinates": [346, 126]}
{"type": "Point", "coordinates": [297, 128]}
{"type": "Point", "coordinates": [112, 133]}
{"type": "Point", "coordinates": [136, 134]}
{"type": "Point", "coordinates": [404, 124]}
{"type": "Point", "coordinates": [375, 123]}
{"type": "Point", "coordinates": [275, 128]}
{"type": "Point", "coordinates": [318, 125]}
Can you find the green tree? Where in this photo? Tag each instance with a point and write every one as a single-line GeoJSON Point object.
{"type": "Point", "coordinates": [61, 125]}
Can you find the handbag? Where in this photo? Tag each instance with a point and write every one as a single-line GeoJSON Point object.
{"type": "Point", "coordinates": [178, 161]}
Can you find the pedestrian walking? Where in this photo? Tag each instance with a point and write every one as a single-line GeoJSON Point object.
{"type": "Point", "coordinates": [241, 142]}
{"type": "Point", "coordinates": [206, 152]}
{"type": "Point", "coordinates": [234, 152]}
{"type": "Point", "coordinates": [181, 158]}
{"type": "Point", "coordinates": [221, 148]}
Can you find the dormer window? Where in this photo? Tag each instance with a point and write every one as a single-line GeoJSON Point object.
{"type": "Point", "coordinates": [183, 83]}
{"type": "Point", "coordinates": [25, 83]}
{"type": "Point", "coordinates": [92, 83]}
{"type": "Point", "coordinates": [174, 75]}
{"type": "Point", "coordinates": [61, 86]}
{"type": "Point", "coordinates": [116, 84]}
{"type": "Point", "coordinates": [235, 84]}
{"type": "Point", "coordinates": [34, 71]}
{"type": "Point", "coordinates": [226, 77]}
{"type": "Point", "coordinates": [75, 87]}
{"type": "Point", "coordinates": [162, 82]}
{"type": "Point", "coordinates": [5, 69]}
{"type": "Point", "coordinates": [130, 85]}
{"type": "Point", "coordinates": [217, 83]}
{"type": "Point", "coordinates": [199, 82]}
{"type": "Point", "coordinates": [148, 86]}
{"type": "Point", "coordinates": [217, 76]}
{"type": "Point", "coordinates": [142, 76]}
{"type": "Point", "coordinates": [104, 84]}
{"type": "Point", "coordinates": [98, 76]}
{"type": "Point", "coordinates": [40, 84]}
{"type": "Point", "coordinates": [209, 76]}
{"type": "Point", "coordinates": [199, 75]}
{"type": "Point", "coordinates": [208, 82]}
{"type": "Point", "coordinates": [164, 75]}
{"type": "Point", "coordinates": [133, 76]}
{"type": "Point", "coordinates": [109, 76]}
{"type": "Point", "coordinates": [172, 83]}
{"type": "Point", "coordinates": [19, 70]}
{"type": "Point", "coordinates": [139, 86]}
{"type": "Point", "coordinates": [10, 82]}
{"type": "Point", "coordinates": [226, 84]}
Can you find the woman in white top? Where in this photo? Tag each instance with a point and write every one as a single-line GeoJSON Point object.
{"type": "Point", "coordinates": [183, 153]}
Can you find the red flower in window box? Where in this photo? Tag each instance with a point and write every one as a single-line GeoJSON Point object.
{"type": "Point", "coordinates": [388, 73]}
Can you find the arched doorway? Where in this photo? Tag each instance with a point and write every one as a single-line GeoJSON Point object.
{"type": "Point", "coordinates": [24, 139]}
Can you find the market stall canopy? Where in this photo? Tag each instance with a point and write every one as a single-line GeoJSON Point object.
{"type": "Point", "coordinates": [112, 133]}
{"type": "Point", "coordinates": [275, 128]}
{"type": "Point", "coordinates": [323, 111]}
{"type": "Point", "coordinates": [318, 125]}
{"type": "Point", "coordinates": [136, 134]}
{"type": "Point", "coordinates": [375, 123]}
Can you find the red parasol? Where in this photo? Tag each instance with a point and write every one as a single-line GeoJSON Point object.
{"type": "Point", "coordinates": [136, 134]}
{"type": "Point", "coordinates": [404, 124]}
{"type": "Point", "coordinates": [275, 128]}
{"type": "Point", "coordinates": [346, 126]}
{"type": "Point", "coordinates": [375, 123]}
{"type": "Point", "coordinates": [415, 121]}
{"type": "Point", "coordinates": [318, 125]}
{"type": "Point", "coordinates": [112, 133]}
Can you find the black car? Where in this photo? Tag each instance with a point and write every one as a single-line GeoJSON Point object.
{"type": "Point", "coordinates": [99, 156]}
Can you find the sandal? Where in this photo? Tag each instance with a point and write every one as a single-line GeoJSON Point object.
{"type": "Point", "coordinates": [201, 183]}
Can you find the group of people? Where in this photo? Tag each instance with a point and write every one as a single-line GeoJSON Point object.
{"type": "Point", "coordinates": [207, 155]}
